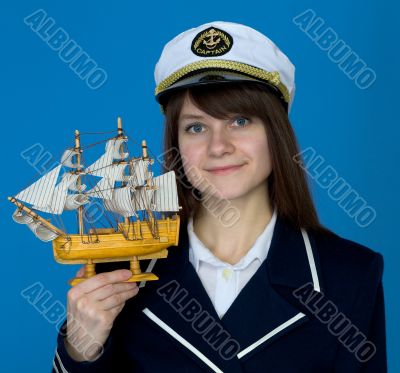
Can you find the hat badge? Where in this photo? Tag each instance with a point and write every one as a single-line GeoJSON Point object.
{"type": "Point", "coordinates": [211, 42]}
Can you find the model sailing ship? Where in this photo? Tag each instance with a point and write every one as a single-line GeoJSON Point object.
{"type": "Point", "coordinates": [135, 204]}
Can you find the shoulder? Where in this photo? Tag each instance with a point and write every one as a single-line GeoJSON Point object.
{"type": "Point", "coordinates": [345, 253]}
{"type": "Point", "coordinates": [345, 266]}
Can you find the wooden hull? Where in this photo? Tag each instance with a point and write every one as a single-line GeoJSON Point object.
{"type": "Point", "coordinates": [113, 246]}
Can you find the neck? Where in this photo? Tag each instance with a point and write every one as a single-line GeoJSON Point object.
{"type": "Point", "coordinates": [231, 237]}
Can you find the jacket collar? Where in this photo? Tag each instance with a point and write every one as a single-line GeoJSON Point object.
{"type": "Point", "coordinates": [293, 259]}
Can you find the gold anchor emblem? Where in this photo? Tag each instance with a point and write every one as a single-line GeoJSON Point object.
{"type": "Point", "coordinates": [211, 43]}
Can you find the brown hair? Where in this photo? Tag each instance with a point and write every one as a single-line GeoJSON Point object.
{"type": "Point", "coordinates": [287, 184]}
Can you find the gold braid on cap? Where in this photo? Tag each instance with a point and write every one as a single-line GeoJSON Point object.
{"type": "Point", "coordinates": [255, 72]}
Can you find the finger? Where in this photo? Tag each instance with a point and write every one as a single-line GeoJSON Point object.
{"type": "Point", "coordinates": [111, 289]}
{"type": "Point", "coordinates": [103, 279]}
{"type": "Point", "coordinates": [115, 311]}
{"type": "Point", "coordinates": [116, 300]}
{"type": "Point", "coordinates": [81, 272]}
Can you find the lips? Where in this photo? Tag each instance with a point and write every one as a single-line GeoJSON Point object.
{"type": "Point", "coordinates": [224, 169]}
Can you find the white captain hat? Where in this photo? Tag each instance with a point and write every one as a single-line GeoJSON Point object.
{"type": "Point", "coordinates": [223, 52]}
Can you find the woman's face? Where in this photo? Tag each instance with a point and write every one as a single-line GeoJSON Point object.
{"type": "Point", "coordinates": [206, 143]}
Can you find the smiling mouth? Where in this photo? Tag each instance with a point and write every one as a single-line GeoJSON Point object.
{"type": "Point", "coordinates": [224, 170]}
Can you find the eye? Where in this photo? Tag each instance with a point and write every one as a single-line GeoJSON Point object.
{"type": "Point", "coordinates": [196, 128]}
{"type": "Point", "coordinates": [241, 121]}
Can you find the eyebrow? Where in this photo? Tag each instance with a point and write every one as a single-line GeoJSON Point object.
{"type": "Point", "coordinates": [190, 116]}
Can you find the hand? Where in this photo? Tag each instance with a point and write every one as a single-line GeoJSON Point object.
{"type": "Point", "coordinates": [92, 307]}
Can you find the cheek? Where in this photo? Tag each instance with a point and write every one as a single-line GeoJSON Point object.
{"type": "Point", "coordinates": [260, 152]}
{"type": "Point", "coordinates": [191, 161]}
{"type": "Point", "coordinates": [256, 146]}
{"type": "Point", "coordinates": [190, 155]}
{"type": "Point", "coordinates": [264, 152]}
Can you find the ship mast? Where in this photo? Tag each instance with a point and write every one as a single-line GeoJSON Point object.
{"type": "Point", "coordinates": [149, 186]}
{"type": "Point", "coordinates": [120, 136]}
{"type": "Point", "coordinates": [120, 132]}
{"type": "Point", "coordinates": [79, 181]}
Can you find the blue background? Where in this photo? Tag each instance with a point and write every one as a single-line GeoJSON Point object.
{"type": "Point", "coordinates": [43, 101]}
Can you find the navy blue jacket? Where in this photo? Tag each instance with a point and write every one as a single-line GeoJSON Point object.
{"type": "Point", "coordinates": [314, 305]}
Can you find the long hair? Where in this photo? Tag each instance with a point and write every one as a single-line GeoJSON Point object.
{"type": "Point", "coordinates": [287, 184]}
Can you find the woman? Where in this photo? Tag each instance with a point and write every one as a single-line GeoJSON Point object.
{"type": "Point", "coordinates": [256, 283]}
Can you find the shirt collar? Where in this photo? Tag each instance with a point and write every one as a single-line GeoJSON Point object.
{"type": "Point", "coordinates": [198, 252]}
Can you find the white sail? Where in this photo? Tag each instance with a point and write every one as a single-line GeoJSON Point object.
{"type": "Point", "coordinates": [60, 193]}
{"type": "Point", "coordinates": [116, 172]}
{"type": "Point", "coordinates": [121, 202]}
{"type": "Point", "coordinates": [118, 151]}
{"type": "Point", "coordinates": [109, 172]}
{"type": "Point", "coordinates": [40, 193]}
{"type": "Point", "coordinates": [112, 151]}
{"type": "Point", "coordinates": [99, 167]}
{"type": "Point", "coordinates": [74, 201]}
{"type": "Point", "coordinates": [42, 232]}
{"type": "Point", "coordinates": [73, 185]}
{"type": "Point", "coordinates": [21, 217]}
{"type": "Point", "coordinates": [67, 156]}
{"type": "Point", "coordinates": [140, 170]}
{"type": "Point", "coordinates": [166, 194]}
{"type": "Point", "coordinates": [142, 199]}
{"type": "Point", "coordinates": [103, 189]}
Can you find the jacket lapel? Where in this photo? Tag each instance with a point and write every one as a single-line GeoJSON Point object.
{"type": "Point", "coordinates": [168, 306]}
{"type": "Point", "coordinates": [265, 309]}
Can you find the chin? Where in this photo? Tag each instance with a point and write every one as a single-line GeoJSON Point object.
{"type": "Point", "coordinates": [223, 194]}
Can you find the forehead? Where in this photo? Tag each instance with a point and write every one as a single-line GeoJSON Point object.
{"type": "Point", "coordinates": [189, 107]}
{"type": "Point", "coordinates": [189, 111]}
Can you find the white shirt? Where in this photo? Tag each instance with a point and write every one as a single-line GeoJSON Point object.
{"type": "Point", "coordinates": [224, 281]}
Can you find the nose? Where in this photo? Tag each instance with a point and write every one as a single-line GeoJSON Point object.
{"type": "Point", "coordinates": [220, 142]}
